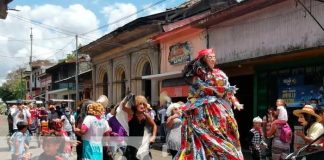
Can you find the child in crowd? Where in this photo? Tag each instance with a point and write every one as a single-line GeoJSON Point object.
{"type": "Point", "coordinates": [19, 141]}
{"type": "Point", "coordinates": [256, 139]}
{"type": "Point", "coordinates": [281, 110]}
{"type": "Point", "coordinates": [52, 148]}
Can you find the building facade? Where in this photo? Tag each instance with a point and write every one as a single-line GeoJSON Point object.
{"type": "Point", "coordinates": [178, 45]}
{"type": "Point", "coordinates": [122, 57]}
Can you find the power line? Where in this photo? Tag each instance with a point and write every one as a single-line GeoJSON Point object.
{"type": "Point", "coordinates": [123, 18]}
{"type": "Point", "coordinates": [48, 27]}
{"type": "Point", "coordinates": [10, 56]}
{"type": "Point", "coordinates": [59, 49]}
{"type": "Point", "coordinates": [40, 39]}
{"type": "Point", "coordinates": [66, 32]}
{"type": "Point", "coordinates": [45, 26]}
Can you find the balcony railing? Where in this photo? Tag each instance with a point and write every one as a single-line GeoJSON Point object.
{"type": "Point", "coordinates": [56, 86]}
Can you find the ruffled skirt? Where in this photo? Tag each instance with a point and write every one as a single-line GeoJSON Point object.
{"type": "Point", "coordinates": [209, 131]}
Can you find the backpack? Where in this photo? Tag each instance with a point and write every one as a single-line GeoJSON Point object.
{"type": "Point", "coordinates": [285, 133]}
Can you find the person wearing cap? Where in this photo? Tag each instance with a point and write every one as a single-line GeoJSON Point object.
{"type": "Point", "coordinates": [210, 130]}
{"type": "Point", "coordinates": [173, 125]}
{"type": "Point", "coordinates": [311, 123]}
{"type": "Point", "coordinates": [53, 116]}
{"type": "Point", "coordinates": [19, 141]}
{"type": "Point", "coordinates": [256, 143]}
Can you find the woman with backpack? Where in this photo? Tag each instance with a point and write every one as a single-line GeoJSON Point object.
{"type": "Point", "coordinates": [280, 132]}
{"type": "Point", "coordinates": [311, 123]}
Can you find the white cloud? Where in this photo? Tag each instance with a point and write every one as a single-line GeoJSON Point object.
{"type": "Point", "coordinates": [74, 18]}
{"type": "Point", "coordinates": [154, 9]}
{"type": "Point", "coordinates": [119, 14]}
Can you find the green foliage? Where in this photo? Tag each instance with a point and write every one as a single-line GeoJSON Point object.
{"type": "Point", "coordinates": [69, 57]}
{"type": "Point", "coordinates": [14, 87]}
{"type": "Point", "coordinates": [3, 108]}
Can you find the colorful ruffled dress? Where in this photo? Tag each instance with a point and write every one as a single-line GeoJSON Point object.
{"type": "Point", "coordinates": [209, 129]}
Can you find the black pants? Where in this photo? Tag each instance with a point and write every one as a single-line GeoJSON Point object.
{"type": "Point", "coordinates": [256, 155]}
{"type": "Point", "coordinates": [173, 153]}
{"type": "Point", "coordinates": [130, 154]}
{"type": "Point", "coordinates": [79, 148]}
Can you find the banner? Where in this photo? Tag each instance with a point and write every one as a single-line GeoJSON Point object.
{"type": "Point", "coordinates": [296, 94]}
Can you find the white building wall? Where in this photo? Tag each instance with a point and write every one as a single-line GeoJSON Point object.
{"type": "Point", "coordinates": [280, 28]}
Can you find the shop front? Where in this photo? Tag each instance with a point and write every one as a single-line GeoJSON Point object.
{"type": "Point", "coordinates": [178, 47]}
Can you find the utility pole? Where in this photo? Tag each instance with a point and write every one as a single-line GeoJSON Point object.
{"type": "Point", "coordinates": [21, 84]}
{"type": "Point", "coordinates": [30, 64]}
{"type": "Point", "coordinates": [76, 70]}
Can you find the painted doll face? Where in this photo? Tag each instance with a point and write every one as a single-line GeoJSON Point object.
{"type": "Point", "coordinates": [176, 111]}
{"type": "Point", "coordinates": [210, 60]}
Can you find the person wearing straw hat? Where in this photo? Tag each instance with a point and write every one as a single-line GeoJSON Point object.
{"type": "Point", "coordinates": [311, 122]}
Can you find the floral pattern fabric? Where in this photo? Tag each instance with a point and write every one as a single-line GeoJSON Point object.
{"type": "Point", "coordinates": [209, 129]}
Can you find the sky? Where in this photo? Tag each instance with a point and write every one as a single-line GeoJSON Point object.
{"type": "Point", "coordinates": [55, 23]}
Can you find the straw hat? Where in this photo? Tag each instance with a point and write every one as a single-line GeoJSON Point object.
{"type": "Point", "coordinates": [308, 109]}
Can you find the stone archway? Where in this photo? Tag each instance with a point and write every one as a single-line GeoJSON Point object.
{"type": "Point", "coordinates": [102, 81]}
{"type": "Point", "coordinates": [105, 84]}
{"type": "Point", "coordinates": [144, 68]}
{"type": "Point", "coordinates": [120, 82]}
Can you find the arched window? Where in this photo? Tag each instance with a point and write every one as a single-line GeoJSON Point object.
{"type": "Point", "coordinates": [105, 85]}
{"type": "Point", "coordinates": [146, 84]}
{"type": "Point", "coordinates": [123, 85]}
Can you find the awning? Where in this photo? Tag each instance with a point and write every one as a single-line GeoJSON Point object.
{"type": "Point", "coordinates": [162, 76]}
{"type": "Point", "coordinates": [176, 91]}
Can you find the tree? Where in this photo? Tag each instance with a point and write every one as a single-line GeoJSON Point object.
{"type": "Point", "coordinates": [14, 87]}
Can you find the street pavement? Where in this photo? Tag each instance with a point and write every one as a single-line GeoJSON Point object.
{"type": "Point", "coordinates": [5, 154]}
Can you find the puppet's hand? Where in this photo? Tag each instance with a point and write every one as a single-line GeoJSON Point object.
{"type": "Point", "coordinates": [232, 89]}
{"type": "Point", "coordinates": [238, 106]}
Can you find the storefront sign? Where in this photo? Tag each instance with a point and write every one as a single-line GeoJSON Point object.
{"type": "Point", "coordinates": [179, 53]}
{"type": "Point", "coordinates": [296, 94]}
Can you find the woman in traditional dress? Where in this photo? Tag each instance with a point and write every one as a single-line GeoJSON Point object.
{"type": "Point", "coordinates": [209, 129]}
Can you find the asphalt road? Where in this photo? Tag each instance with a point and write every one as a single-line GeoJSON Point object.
{"type": "Point", "coordinates": [5, 154]}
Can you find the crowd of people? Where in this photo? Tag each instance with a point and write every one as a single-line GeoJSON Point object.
{"type": "Point", "coordinates": [271, 137]}
{"type": "Point", "coordinates": [204, 127]}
